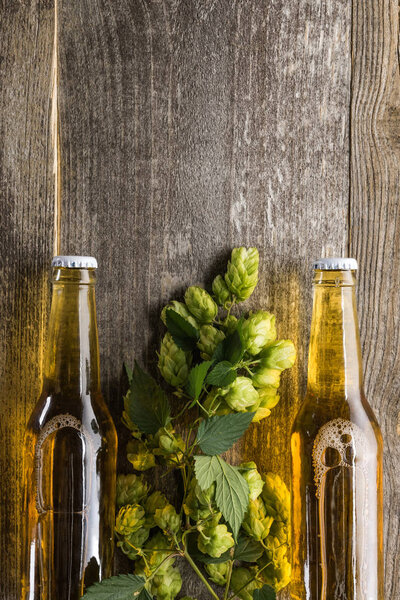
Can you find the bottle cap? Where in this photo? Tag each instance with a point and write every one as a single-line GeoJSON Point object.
{"type": "Point", "coordinates": [74, 262]}
{"type": "Point", "coordinates": [335, 264]}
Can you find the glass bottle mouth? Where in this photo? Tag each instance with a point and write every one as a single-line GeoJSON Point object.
{"type": "Point", "coordinates": [68, 275]}
{"type": "Point", "coordinates": [335, 264]}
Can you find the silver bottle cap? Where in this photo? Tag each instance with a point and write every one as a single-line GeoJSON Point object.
{"type": "Point", "coordinates": [335, 264]}
{"type": "Point", "coordinates": [74, 262]}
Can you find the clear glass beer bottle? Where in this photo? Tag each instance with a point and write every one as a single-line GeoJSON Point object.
{"type": "Point", "coordinates": [69, 450]}
{"type": "Point", "coordinates": [336, 449]}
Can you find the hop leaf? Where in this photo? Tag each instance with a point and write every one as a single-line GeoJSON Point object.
{"type": "Point", "coordinates": [209, 339]}
{"type": "Point", "coordinates": [221, 291]}
{"type": "Point", "coordinates": [240, 395]}
{"type": "Point", "coordinates": [253, 478]}
{"type": "Point", "coordinates": [214, 540]}
{"type": "Point", "coordinates": [182, 310]}
{"type": "Point", "coordinates": [258, 330]}
{"type": "Point", "coordinates": [120, 587]}
{"type": "Point", "coordinates": [280, 355]}
{"type": "Point", "coordinates": [218, 572]}
{"type": "Point", "coordinates": [238, 583]}
{"type": "Point", "coordinates": [200, 304]}
{"type": "Point", "coordinates": [173, 362]}
{"type": "Point", "coordinates": [242, 273]}
{"type": "Point", "coordinates": [276, 497]}
{"type": "Point", "coordinates": [131, 489]}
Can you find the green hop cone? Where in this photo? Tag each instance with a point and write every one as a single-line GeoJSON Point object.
{"type": "Point", "coordinates": [221, 291]}
{"type": "Point", "coordinates": [200, 304]}
{"type": "Point", "coordinates": [240, 394]}
{"type": "Point", "coordinates": [199, 504]}
{"type": "Point", "coordinates": [132, 545]}
{"type": "Point", "coordinates": [166, 583]}
{"type": "Point", "coordinates": [258, 330]}
{"type": "Point", "coordinates": [280, 355]}
{"type": "Point", "coordinates": [157, 550]}
{"type": "Point", "coordinates": [129, 519]}
{"type": "Point", "coordinates": [140, 456]}
{"type": "Point", "coordinates": [276, 497]}
{"type": "Point", "coordinates": [182, 310]}
{"type": "Point", "coordinates": [170, 446]}
{"type": "Point", "coordinates": [154, 501]}
{"type": "Point", "coordinates": [256, 523]}
{"type": "Point", "coordinates": [239, 578]}
{"type": "Point", "coordinates": [277, 541]}
{"type": "Point", "coordinates": [173, 362]}
{"type": "Point", "coordinates": [263, 377]}
{"type": "Point", "coordinates": [242, 272]}
{"type": "Point", "coordinates": [209, 339]}
{"type": "Point", "coordinates": [131, 489]}
{"type": "Point", "coordinates": [277, 575]}
{"type": "Point", "coordinates": [268, 396]}
{"type": "Point", "coordinates": [167, 519]}
{"type": "Point", "coordinates": [214, 540]}
{"type": "Point", "coordinates": [253, 478]}
{"type": "Point", "coordinates": [218, 572]}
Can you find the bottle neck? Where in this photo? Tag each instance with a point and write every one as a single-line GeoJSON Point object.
{"type": "Point", "coordinates": [334, 362]}
{"type": "Point", "coordinates": [72, 353]}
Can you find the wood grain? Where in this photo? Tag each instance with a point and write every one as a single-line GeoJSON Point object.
{"type": "Point", "coordinates": [26, 245]}
{"type": "Point", "coordinates": [187, 129]}
{"type": "Point", "coordinates": [375, 240]}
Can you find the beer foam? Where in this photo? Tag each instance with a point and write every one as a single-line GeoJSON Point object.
{"type": "Point", "coordinates": [340, 435]}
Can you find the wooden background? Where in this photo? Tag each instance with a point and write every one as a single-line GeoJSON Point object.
{"type": "Point", "coordinates": [188, 127]}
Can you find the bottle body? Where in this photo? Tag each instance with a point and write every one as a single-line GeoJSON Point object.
{"type": "Point", "coordinates": [69, 457]}
{"type": "Point", "coordinates": [336, 449]}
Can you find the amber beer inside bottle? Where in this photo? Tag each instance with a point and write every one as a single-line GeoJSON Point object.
{"type": "Point", "coordinates": [336, 448]}
{"type": "Point", "coordinates": [70, 450]}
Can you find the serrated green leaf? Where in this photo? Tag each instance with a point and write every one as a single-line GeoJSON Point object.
{"type": "Point", "coordinates": [223, 374]}
{"type": "Point", "coordinates": [264, 593]}
{"type": "Point", "coordinates": [231, 490]}
{"type": "Point", "coordinates": [145, 595]}
{"type": "Point", "coordinates": [147, 404]}
{"type": "Point", "coordinates": [231, 494]}
{"type": "Point", "coordinates": [247, 549]}
{"type": "Point", "coordinates": [119, 587]}
{"type": "Point", "coordinates": [234, 345]}
{"type": "Point", "coordinates": [217, 434]}
{"type": "Point", "coordinates": [196, 379]}
{"type": "Point", "coordinates": [183, 333]}
{"type": "Point", "coordinates": [206, 469]}
{"type": "Point", "coordinates": [232, 348]}
{"type": "Point", "coordinates": [129, 373]}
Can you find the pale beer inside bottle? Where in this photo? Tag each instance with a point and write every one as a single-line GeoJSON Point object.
{"type": "Point", "coordinates": [336, 448]}
{"type": "Point", "coordinates": [70, 453]}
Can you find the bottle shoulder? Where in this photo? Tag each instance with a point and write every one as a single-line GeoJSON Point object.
{"type": "Point", "coordinates": [89, 410]}
{"type": "Point", "coordinates": [316, 412]}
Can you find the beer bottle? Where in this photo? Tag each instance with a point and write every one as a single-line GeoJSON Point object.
{"type": "Point", "coordinates": [336, 449]}
{"type": "Point", "coordinates": [69, 450]}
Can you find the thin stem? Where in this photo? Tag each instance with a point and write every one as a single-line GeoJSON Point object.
{"type": "Point", "coordinates": [162, 562]}
{"type": "Point", "coordinates": [200, 574]}
{"type": "Point", "coordinates": [228, 580]}
{"type": "Point", "coordinates": [249, 581]}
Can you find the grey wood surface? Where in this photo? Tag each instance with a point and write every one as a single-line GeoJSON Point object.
{"type": "Point", "coordinates": [26, 243]}
{"type": "Point", "coordinates": [375, 237]}
{"type": "Point", "coordinates": [189, 127]}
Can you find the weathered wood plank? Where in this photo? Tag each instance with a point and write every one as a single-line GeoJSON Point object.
{"type": "Point", "coordinates": [188, 128]}
{"type": "Point", "coordinates": [375, 236]}
{"type": "Point", "coordinates": [26, 246]}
